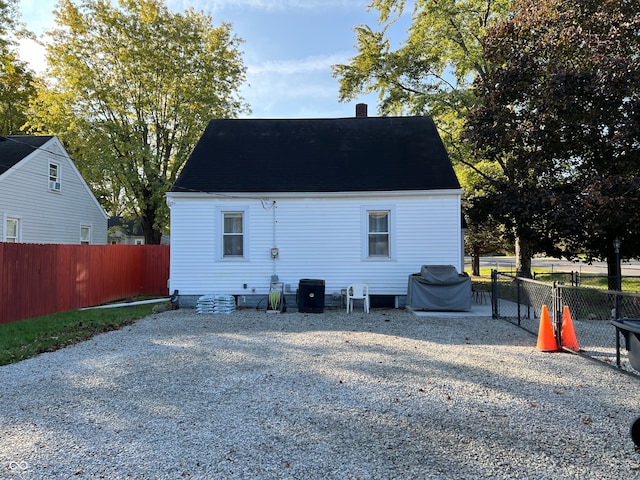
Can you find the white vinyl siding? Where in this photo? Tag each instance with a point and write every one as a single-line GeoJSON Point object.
{"type": "Point", "coordinates": [318, 238]}
{"type": "Point", "coordinates": [47, 217]}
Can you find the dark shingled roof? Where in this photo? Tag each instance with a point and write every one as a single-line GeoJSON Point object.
{"type": "Point", "coordinates": [318, 155]}
{"type": "Point", "coordinates": [14, 148]}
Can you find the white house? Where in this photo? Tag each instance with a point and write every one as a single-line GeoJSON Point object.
{"type": "Point", "coordinates": [351, 200]}
{"type": "Point", "coordinates": [43, 197]}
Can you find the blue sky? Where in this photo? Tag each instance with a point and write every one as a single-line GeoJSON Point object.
{"type": "Point", "coordinates": [289, 48]}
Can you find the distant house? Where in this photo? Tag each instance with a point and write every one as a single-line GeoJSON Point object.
{"type": "Point", "coordinates": [43, 197]}
{"type": "Point", "coordinates": [125, 232]}
{"type": "Point", "coordinates": [351, 200]}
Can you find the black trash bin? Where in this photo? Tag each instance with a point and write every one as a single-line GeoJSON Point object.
{"type": "Point", "coordinates": [311, 296]}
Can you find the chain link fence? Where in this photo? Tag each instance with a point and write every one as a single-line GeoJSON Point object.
{"type": "Point", "coordinates": [520, 300]}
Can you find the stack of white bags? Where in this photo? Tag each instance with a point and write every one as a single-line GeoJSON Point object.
{"type": "Point", "coordinates": [216, 304]}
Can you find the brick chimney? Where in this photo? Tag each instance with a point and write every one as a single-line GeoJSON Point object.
{"type": "Point", "coordinates": [361, 110]}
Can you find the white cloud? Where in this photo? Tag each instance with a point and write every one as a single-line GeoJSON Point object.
{"type": "Point", "coordinates": [291, 67]}
{"type": "Point", "coordinates": [34, 54]}
{"type": "Point", "coordinates": [296, 88]}
{"type": "Point", "coordinates": [215, 5]}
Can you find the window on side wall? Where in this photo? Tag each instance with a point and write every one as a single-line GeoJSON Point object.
{"type": "Point", "coordinates": [378, 234]}
{"type": "Point", "coordinates": [233, 235]}
{"type": "Point", "coordinates": [85, 235]}
{"type": "Point", "coordinates": [54, 177]}
{"type": "Point", "coordinates": [12, 230]}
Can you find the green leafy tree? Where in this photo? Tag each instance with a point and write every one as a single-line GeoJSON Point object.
{"type": "Point", "coordinates": [485, 234]}
{"type": "Point", "coordinates": [432, 72]}
{"type": "Point", "coordinates": [132, 90]}
{"type": "Point", "coordinates": [16, 91]}
{"type": "Point", "coordinates": [9, 21]}
{"type": "Point", "coordinates": [16, 88]}
{"type": "Point", "coordinates": [560, 114]}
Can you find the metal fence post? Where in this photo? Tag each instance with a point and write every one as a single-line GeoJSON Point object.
{"type": "Point", "coordinates": [556, 296]}
{"type": "Point", "coordinates": [494, 293]}
{"type": "Point", "coordinates": [518, 284]}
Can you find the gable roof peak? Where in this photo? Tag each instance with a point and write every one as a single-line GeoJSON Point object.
{"type": "Point", "coordinates": [14, 148]}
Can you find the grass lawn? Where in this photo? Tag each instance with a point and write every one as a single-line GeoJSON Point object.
{"type": "Point", "coordinates": [27, 338]}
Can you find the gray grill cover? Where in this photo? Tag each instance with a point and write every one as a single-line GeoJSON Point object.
{"type": "Point", "coordinates": [439, 288]}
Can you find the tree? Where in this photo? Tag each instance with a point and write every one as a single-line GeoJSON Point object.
{"type": "Point", "coordinates": [484, 235]}
{"type": "Point", "coordinates": [433, 72]}
{"type": "Point", "coordinates": [16, 79]}
{"type": "Point", "coordinates": [560, 113]}
{"type": "Point", "coordinates": [16, 90]}
{"type": "Point", "coordinates": [9, 22]}
{"type": "Point", "coordinates": [132, 89]}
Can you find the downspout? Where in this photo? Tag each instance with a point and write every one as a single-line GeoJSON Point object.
{"type": "Point", "coordinates": [274, 249]}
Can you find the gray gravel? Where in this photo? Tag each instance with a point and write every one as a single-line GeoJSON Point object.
{"type": "Point", "coordinates": [315, 396]}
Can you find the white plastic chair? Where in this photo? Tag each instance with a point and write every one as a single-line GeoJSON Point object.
{"type": "Point", "coordinates": [357, 291]}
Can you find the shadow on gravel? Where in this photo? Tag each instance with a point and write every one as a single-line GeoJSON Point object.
{"type": "Point", "coordinates": [251, 395]}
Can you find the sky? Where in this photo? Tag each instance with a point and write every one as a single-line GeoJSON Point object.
{"type": "Point", "coordinates": [289, 48]}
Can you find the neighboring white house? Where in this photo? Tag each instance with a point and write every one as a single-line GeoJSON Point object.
{"type": "Point", "coordinates": [43, 197]}
{"type": "Point", "coordinates": [124, 232]}
{"type": "Point", "coordinates": [353, 200]}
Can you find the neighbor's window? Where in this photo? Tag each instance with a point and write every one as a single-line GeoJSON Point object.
{"type": "Point", "coordinates": [85, 235]}
{"type": "Point", "coordinates": [54, 177]}
{"type": "Point", "coordinates": [12, 230]}
{"type": "Point", "coordinates": [233, 235]}
{"type": "Point", "coordinates": [378, 234]}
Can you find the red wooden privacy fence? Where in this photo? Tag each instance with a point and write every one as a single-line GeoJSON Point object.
{"type": "Point", "coordinates": [41, 279]}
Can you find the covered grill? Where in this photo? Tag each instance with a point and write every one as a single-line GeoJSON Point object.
{"type": "Point", "coordinates": [440, 288]}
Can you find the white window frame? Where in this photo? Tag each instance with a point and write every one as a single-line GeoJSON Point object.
{"type": "Point", "coordinates": [365, 211]}
{"type": "Point", "coordinates": [220, 213]}
{"type": "Point", "coordinates": [86, 228]}
{"type": "Point", "coordinates": [54, 180]}
{"type": "Point", "coordinates": [18, 236]}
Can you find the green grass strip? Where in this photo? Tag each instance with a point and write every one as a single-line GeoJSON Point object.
{"type": "Point", "coordinates": [28, 338]}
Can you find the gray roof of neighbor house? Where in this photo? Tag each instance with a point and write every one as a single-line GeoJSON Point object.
{"type": "Point", "coordinates": [356, 154]}
{"type": "Point", "coordinates": [13, 148]}
{"type": "Point", "coordinates": [130, 227]}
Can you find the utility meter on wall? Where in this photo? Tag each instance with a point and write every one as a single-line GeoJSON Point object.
{"type": "Point", "coordinates": [275, 253]}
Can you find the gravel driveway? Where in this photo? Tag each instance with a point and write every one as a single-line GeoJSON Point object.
{"type": "Point", "coordinates": [315, 396]}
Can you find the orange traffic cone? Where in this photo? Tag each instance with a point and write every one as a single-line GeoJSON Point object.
{"type": "Point", "coordinates": [546, 337]}
{"type": "Point", "coordinates": [567, 333]}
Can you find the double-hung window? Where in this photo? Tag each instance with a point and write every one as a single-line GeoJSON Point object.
{"type": "Point", "coordinates": [233, 235]}
{"type": "Point", "coordinates": [12, 230]}
{"type": "Point", "coordinates": [378, 240]}
{"type": "Point", "coordinates": [54, 177]}
{"type": "Point", "coordinates": [378, 233]}
{"type": "Point", "coordinates": [85, 235]}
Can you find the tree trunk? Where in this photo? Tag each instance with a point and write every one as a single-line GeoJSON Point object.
{"type": "Point", "coordinates": [523, 258]}
{"type": "Point", "coordinates": [152, 236]}
{"type": "Point", "coordinates": [475, 262]}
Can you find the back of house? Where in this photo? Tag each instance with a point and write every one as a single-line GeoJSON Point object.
{"type": "Point", "coordinates": [331, 201]}
{"type": "Point", "coordinates": [43, 197]}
